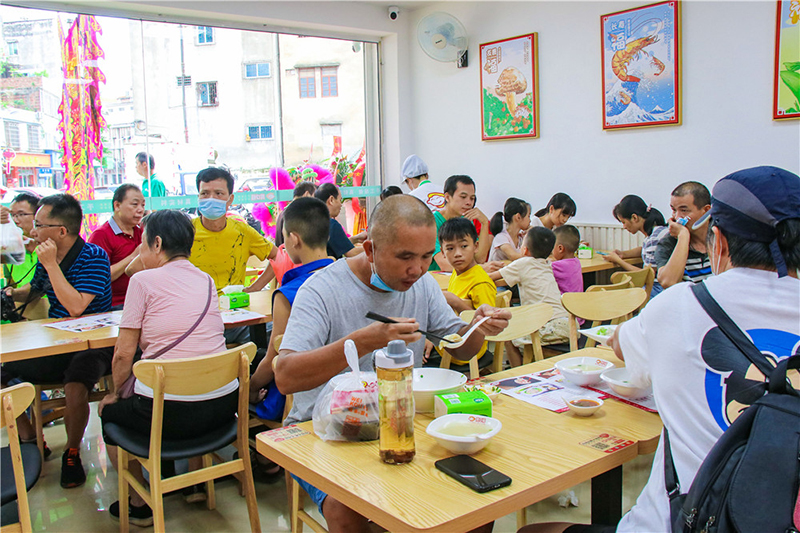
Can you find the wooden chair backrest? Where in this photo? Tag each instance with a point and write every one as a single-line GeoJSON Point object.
{"type": "Point", "coordinates": [639, 278]}
{"type": "Point", "coordinates": [503, 299]}
{"type": "Point", "coordinates": [194, 375]}
{"type": "Point", "coordinates": [603, 305]}
{"type": "Point", "coordinates": [525, 320]}
{"type": "Point", "coordinates": [622, 282]}
{"type": "Point", "coordinates": [276, 342]}
{"type": "Point", "coordinates": [15, 400]}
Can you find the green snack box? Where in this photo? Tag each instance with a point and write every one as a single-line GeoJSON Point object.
{"type": "Point", "coordinates": [234, 300]}
{"type": "Point", "coordinates": [470, 402]}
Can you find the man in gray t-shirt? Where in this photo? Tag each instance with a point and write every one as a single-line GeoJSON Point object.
{"type": "Point", "coordinates": [391, 279]}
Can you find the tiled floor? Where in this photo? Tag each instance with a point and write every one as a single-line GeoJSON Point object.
{"type": "Point", "coordinates": [85, 509]}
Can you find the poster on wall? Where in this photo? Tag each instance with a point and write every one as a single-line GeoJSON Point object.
{"type": "Point", "coordinates": [641, 66]}
{"type": "Point", "coordinates": [786, 101]}
{"type": "Point", "coordinates": [510, 88]}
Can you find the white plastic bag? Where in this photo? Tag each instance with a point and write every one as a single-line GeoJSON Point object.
{"type": "Point", "coordinates": [347, 408]}
{"type": "Point", "coordinates": [12, 247]}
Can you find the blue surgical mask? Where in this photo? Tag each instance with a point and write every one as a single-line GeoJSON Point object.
{"type": "Point", "coordinates": [376, 281]}
{"type": "Point", "coordinates": [212, 209]}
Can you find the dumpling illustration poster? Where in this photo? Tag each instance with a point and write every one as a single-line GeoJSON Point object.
{"type": "Point", "coordinates": [641, 66]}
{"type": "Point", "coordinates": [509, 88]}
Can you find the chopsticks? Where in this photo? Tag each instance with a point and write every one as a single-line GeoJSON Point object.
{"type": "Point", "coordinates": [387, 320]}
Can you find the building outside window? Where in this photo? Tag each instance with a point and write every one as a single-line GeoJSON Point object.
{"type": "Point", "coordinates": [13, 48]}
{"type": "Point", "coordinates": [205, 35]}
{"type": "Point", "coordinates": [259, 131]}
{"type": "Point", "coordinates": [12, 134]}
{"type": "Point", "coordinates": [207, 93]}
{"type": "Point", "coordinates": [330, 85]}
{"type": "Point", "coordinates": [308, 87]}
{"type": "Point", "coordinates": [183, 81]}
{"type": "Point", "coordinates": [257, 70]}
{"type": "Point", "coordinates": [33, 137]}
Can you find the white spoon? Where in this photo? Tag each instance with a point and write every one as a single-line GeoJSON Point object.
{"type": "Point", "coordinates": [465, 337]}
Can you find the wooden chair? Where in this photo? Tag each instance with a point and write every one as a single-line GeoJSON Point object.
{"type": "Point", "coordinates": [639, 278]}
{"type": "Point", "coordinates": [56, 406]}
{"type": "Point", "coordinates": [195, 375]}
{"type": "Point", "coordinates": [254, 420]}
{"type": "Point", "coordinates": [20, 464]}
{"type": "Point", "coordinates": [601, 306]}
{"type": "Point", "coordinates": [525, 320]}
{"type": "Point", "coordinates": [623, 281]}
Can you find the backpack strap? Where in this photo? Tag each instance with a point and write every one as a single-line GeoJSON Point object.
{"type": "Point", "coordinates": [670, 474]}
{"type": "Point", "coordinates": [730, 329]}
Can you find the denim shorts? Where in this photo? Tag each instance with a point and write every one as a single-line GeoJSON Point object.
{"type": "Point", "coordinates": [316, 495]}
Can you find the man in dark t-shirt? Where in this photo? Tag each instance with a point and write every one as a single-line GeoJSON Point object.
{"type": "Point", "coordinates": [76, 277]}
{"type": "Point", "coordinates": [339, 244]}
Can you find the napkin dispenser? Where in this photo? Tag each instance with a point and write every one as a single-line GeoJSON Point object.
{"type": "Point", "coordinates": [234, 300]}
{"type": "Point", "coordinates": [585, 252]}
{"type": "Point", "coordinates": [467, 402]}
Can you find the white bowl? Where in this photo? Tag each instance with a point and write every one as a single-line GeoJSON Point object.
{"type": "Point", "coordinates": [618, 380]}
{"type": "Point", "coordinates": [428, 382]}
{"type": "Point", "coordinates": [583, 371]}
{"type": "Point", "coordinates": [588, 410]}
{"type": "Point", "coordinates": [470, 444]}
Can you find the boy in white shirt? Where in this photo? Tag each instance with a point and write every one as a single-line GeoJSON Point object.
{"type": "Point", "coordinates": [534, 276]}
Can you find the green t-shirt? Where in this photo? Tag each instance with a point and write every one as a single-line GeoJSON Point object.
{"type": "Point", "coordinates": [21, 274]}
{"type": "Point", "coordinates": [159, 189]}
{"type": "Point", "coordinates": [440, 220]}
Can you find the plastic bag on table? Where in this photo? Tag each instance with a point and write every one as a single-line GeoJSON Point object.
{"type": "Point", "coordinates": [12, 247]}
{"type": "Point", "coordinates": [347, 408]}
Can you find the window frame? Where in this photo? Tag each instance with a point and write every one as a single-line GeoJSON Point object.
{"type": "Point", "coordinates": [207, 84]}
{"type": "Point", "coordinates": [335, 78]}
{"type": "Point", "coordinates": [256, 64]}
{"type": "Point", "coordinates": [260, 126]}
{"type": "Point", "coordinates": [8, 133]}
{"type": "Point", "coordinates": [201, 30]}
{"type": "Point", "coordinates": [313, 79]}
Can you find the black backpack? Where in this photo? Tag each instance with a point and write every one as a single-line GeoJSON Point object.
{"type": "Point", "coordinates": [749, 480]}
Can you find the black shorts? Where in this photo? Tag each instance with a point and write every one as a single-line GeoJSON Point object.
{"type": "Point", "coordinates": [86, 367]}
{"type": "Point", "coordinates": [182, 420]}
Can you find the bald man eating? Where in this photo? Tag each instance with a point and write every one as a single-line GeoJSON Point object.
{"type": "Point", "coordinates": [391, 279]}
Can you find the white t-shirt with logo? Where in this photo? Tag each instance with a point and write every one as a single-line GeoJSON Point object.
{"type": "Point", "coordinates": [431, 194]}
{"type": "Point", "coordinates": [700, 381]}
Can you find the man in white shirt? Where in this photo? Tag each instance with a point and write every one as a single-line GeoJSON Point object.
{"type": "Point", "coordinates": [415, 176]}
{"type": "Point", "coordinates": [701, 382]}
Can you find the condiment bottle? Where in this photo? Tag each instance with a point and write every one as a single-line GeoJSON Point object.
{"type": "Point", "coordinates": [394, 365]}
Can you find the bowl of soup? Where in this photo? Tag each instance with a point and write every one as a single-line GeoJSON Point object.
{"type": "Point", "coordinates": [619, 381]}
{"type": "Point", "coordinates": [464, 433]}
{"type": "Point", "coordinates": [584, 406]}
{"type": "Point", "coordinates": [583, 371]}
{"type": "Point", "coordinates": [428, 382]}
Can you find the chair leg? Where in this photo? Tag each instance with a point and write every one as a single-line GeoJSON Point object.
{"type": "Point", "coordinates": [538, 354]}
{"type": "Point", "coordinates": [249, 488]}
{"type": "Point", "coordinates": [36, 420]}
{"type": "Point", "coordinates": [211, 494]}
{"type": "Point", "coordinates": [296, 503]}
{"type": "Point", "coordinates": [522, 518]}
{"type": "Point", "coordinates": [446, 357]}
{"type": "Point", "coordinates": [474, 371]}
{"type": "Point", "coordinates": [122, 465]}
{"type": "Point", "coordinates": [573, 333]}
{"type": "Point", "coordinates": [157, 497]}
{"type": "Point", "coordinates": [499, 355]}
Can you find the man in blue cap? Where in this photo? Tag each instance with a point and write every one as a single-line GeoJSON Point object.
{"type": "Point", "coordinates": [415, 176]}
{"type": "Point", "coordinates": [701, 382]}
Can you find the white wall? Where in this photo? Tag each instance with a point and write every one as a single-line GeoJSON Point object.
{"type": "Point", "coordinates": [728, 55]}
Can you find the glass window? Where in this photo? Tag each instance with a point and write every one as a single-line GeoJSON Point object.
{"type": "Point", "coordinates": [329, 81]}
{"type": "Point", "coordinates": [205, 35]}
{"type": "Point", "coordinates": [12, 134]}
{"type": "Point", "coordinates": [263, 70]}
{"type": "Point", "coordinates": [207, 93]}
{"type": "Point", "coordinates": [33, 137]}
{"type": "Point", "coordinates": [262, 131]}
{"type": "Point", "coordinates": [13, 48]}
{"type": "Point", "coordinates": [307, 86]}
{"type": "Point", "coordinates": [257, 70]}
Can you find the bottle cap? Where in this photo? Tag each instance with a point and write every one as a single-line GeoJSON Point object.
{"type": "Point", "coordinates": [395, 355]}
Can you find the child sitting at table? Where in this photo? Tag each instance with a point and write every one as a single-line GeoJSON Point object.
{"type": "Point", "coordinates": [567, 267]}
{"type": "Point", "coordinates": [507, 243]}
{"type": "Point", "coordinates": [470, 285]}
{"type": "Point", "coordinates": [534, 276]}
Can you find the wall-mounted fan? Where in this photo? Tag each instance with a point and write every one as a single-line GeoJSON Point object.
{"type": "Point", "coordinates": [443, 38]}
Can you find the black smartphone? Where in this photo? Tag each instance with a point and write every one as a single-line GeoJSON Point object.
{"type": "Point", "coordinates": [474, 474]}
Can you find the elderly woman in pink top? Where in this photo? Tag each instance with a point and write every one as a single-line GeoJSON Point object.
{"type": "Point", "coordinates": [164, 302]}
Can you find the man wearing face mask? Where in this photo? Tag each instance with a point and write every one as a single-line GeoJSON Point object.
{"type": "Point", "coordinates": [701, 381]}
{"type": "Point", "coordinates": [222, 245]}
{"type": "Point", "coordinates": [390, 279]}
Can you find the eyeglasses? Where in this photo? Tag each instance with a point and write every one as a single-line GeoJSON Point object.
{"type": "Point", "coordinates": [40, 226]}
{"type": "Point", "coordinates": [20, 215]}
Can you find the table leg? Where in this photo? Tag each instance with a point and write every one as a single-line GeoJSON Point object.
{"type": "Point", "coordinates": [607, 497]}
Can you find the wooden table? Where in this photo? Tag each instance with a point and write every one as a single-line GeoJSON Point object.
{"type": "Point", "coordinates": [30, 339]}
{"type": "Point", "coordinates": [539, 449]}
{"type": "Point", "coordinates": [597, 263]}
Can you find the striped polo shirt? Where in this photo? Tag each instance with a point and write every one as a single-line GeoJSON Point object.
{"type": "Point", "coordinates": [698, 265]}
{"type": "Point", "coordinates": [90, 274]}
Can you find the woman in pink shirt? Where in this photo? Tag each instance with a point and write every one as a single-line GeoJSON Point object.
{"type": "Point", "coordinates": [165, 301]}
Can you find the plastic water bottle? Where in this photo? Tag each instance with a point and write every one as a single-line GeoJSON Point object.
{"type": "Point", "coordinates": [394, 365]}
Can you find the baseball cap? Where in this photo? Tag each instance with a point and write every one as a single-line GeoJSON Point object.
{"type": "Point", "coordinates": [413, 167]}
{"type": "Point", "coordinates": [751, 202]}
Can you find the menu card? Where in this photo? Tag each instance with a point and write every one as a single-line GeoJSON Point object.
{"type": "Point", "coordinates": [87, 323]}
{"type": "Point", "coordinates": [547, 389]}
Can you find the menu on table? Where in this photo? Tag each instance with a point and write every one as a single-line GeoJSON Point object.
{"type": "Point", "coordinates": [86, 323]}
{"type": "Point", "coordinates": [232, 316]}
{"type": "Point", "coordinates": [647, 403]}
{"type": "Point", "coordinates": [547, 389]}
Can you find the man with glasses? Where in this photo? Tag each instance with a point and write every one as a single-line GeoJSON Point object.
{"type": "Point", "coordinates": [23, 208]}
{"type": "Point", "coordinates": [76, 277]}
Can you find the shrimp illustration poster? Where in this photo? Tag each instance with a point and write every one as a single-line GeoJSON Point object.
{"type": "Point", "coordinates": [641, 66]}
{"type": "Point", "coordinates": [510, 88]}
{"type": "Point", "coordinates": [787, 61]}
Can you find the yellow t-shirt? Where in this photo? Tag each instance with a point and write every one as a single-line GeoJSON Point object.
{"type": "Point", "coordinates": [474, 285]}
{"type": "Point", "coordinates": [223, 254]}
